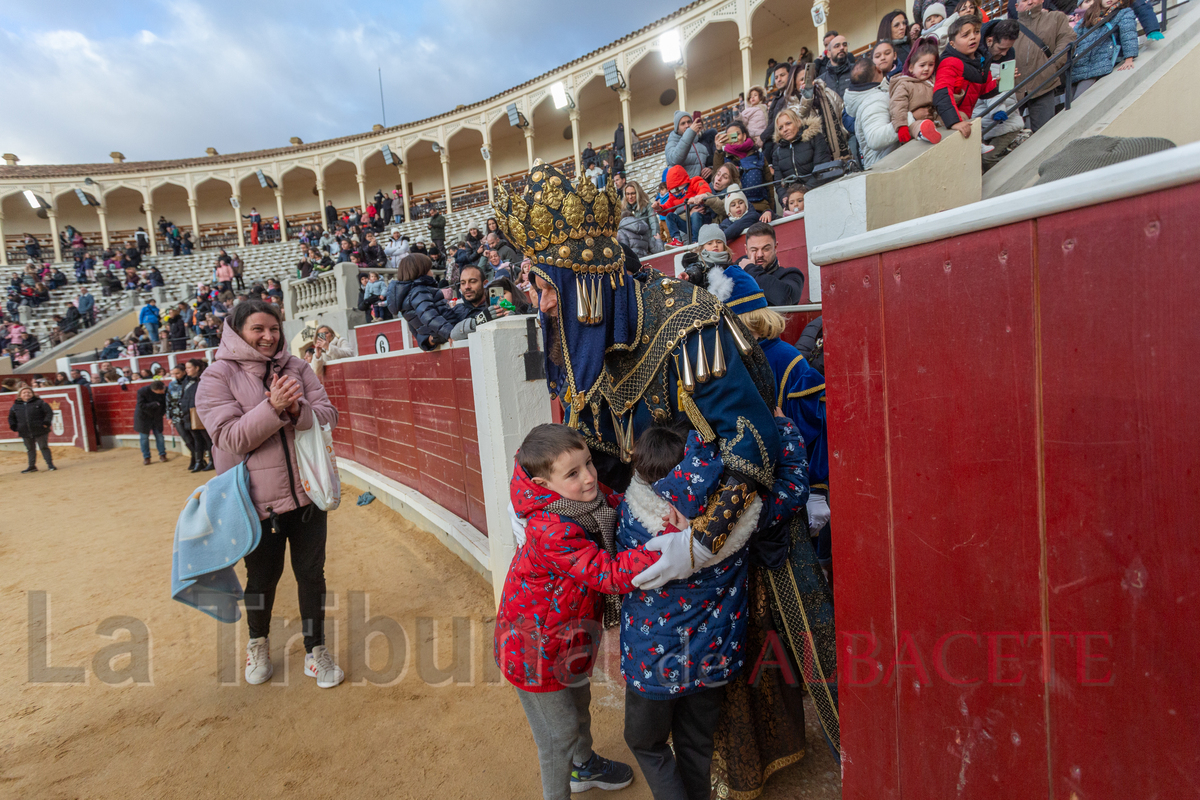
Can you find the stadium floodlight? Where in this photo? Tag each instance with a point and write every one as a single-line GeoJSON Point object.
{"type": "Point", "coordinates": [613, 78]}
{"type": "Point", "coordinates": [89, 182]}
{"type": "Point", "coordinates": [669, 47]}
{"type": "Point", "coordinates": [388, 158]}
{"type": "Point", "coordinates": [483, 151]}
{"type": "Point", "coordinates": [35, 201]}
{"type": "Point", "coordinates": [515, 117]}
{"type": "Point", "coordinates": [437, 148]}
{"type": "Point", "coordinates": [265, 180]}
{"type": "Point", "coordinates": [562, 99]}
{"type": "Point", "coordinates": [86, 198]}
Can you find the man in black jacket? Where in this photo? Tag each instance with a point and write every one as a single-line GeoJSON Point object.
{"type": "Point", "coordinates": [31, 418]}
{"type": "Point", "coordinates": [148, 418]}
{"type": "Point", "coordinates": [836, 73]}
{"type": "Point", "coordinates": [782, 286]}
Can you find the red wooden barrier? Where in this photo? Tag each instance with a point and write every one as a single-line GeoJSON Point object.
{"type": "Point", "coordinates": [411, 416]}
{"type": "Point", "coordinates": [72, 424]}
{"type": "Point", "coordinates": [382, 337]}
{"type": "Point", "coordinates": [1013, 419]}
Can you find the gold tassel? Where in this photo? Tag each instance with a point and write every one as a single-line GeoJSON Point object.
{"type": "Point", "coordinates": [718, 359]}
{"type": "Point", "coordinates": [580, 301]}
{"type": "Point", "coordinates": [701, 359]}
{"type": "Point", "coordinates": [598, 301]}
{"type": "Point", "coordinates": [629, 440]}
{"type": "Point", "coordinates": [742, 345]}
{"type": "Point", "coordinates": [621, 275]}
{"type": "Point", "coordinates": [685, 371]}
{"type": "Point", "coordinates": [696, 418]}
{"type": "Point", "coordinates": [612, 279]}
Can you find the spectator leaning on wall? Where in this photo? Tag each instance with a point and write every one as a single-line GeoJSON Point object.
{"type": "Point", "coordinates": [783, 286]}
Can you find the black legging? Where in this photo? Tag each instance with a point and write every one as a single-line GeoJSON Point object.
{"type": "Point", "coordinates": [264, 567]}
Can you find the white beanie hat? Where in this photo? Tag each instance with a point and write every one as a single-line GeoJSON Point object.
{"type": "Point", "coordinates": [734, 193]}
{"type": "Point", "coordinates": [933, 8]}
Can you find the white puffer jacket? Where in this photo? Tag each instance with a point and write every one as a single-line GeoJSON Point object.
{"type": "Point", "coordinates": [868, 104]}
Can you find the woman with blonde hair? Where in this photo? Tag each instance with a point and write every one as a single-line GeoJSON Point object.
{"type": "Point", "coordinates": [636, 228]}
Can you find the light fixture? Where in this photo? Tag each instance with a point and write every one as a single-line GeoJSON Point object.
{"type": "Point", "coordinates": [613, 78]}
{"type": "Point", "coordinates": [669, 47]}
{"type": "Point", "coordinates": [562, 99]}
{"type": "Point", "coordinates": [437, 148]}
{"type": "Point", "coordinates": [515, 117]}
{"type": "Point", "coordinates": [388, 158]}
{"type": "Point", "coordinates": [86, 198]}
{"type": "Point", "coordinates": [35, 201]}
{"type": "Point", "coordinates": [89, 182]}
{"type": "Point", "coordinates": [265, 180]}
{"type": "Point", "coordinates": [483, 151]}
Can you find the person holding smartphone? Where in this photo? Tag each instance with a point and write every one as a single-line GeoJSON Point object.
{"type": "Point", "coordinates": [684, 148]}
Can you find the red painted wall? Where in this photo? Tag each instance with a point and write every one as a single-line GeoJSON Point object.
{"type": "Point", "coordinates": [412, 417]}
{"type": "Point", "coordinates": [114, 406]}
{"type": "Point", "coordinates": [790, 243]}
{"type": "Point", "coordinates": [1013, 419]}
{"type": "Point", "coordinates": [370, 341]}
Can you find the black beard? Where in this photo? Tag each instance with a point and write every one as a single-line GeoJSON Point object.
{"type": "Point", "coordinates": [839, 59]}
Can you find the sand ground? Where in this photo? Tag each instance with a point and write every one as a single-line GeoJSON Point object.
{"type": "Point", "coordinates": [95, 538]}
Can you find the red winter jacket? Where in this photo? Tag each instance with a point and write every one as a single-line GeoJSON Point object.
{"type": "Point", "coordinates": [548, 626]}
{"type": "Point", "coordinates": [677, 176]}
{"type": "Point", "coordinates": [960, 76]}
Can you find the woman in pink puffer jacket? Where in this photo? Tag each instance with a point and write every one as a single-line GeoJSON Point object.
{"type": "Point", "coordinates": [252, 400]}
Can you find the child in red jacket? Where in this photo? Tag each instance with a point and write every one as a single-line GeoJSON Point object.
{"type": "Point", "coordinates": [681, 188]}
{"type": "Point", "coordinates": [963, 76]}
{"type": "Point", "coordinates": [548, 625]}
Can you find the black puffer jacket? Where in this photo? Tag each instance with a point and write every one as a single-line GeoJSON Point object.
{"type": "Point", "coordinates": [428, 314]}
{"type": "Point", "coordinates": [797, 158]}
{"type": "Point", "coordinates": [148, 413]}
{"type": "Point", "coordinates": [31, 419]}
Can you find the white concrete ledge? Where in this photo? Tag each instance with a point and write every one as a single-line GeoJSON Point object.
{"type": "Point", "coordinates": [1164, 170]}
{"type": "Point", "coordinates": [460, 537]}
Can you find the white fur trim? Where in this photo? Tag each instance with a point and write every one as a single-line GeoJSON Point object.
{"type": "Point", "coordinates": [720, 284]}
{"type": "Point", "coordinates": [647, 507]}
{"type": "Point", "coordinates": [679, 265]}
{"type": "Point", "coordinates": [740, 533]}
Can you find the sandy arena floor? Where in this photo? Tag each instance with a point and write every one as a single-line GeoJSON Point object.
{"type": "Point", "coordinates": [95, 537]}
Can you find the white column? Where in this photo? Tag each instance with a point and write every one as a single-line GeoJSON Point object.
{"type": "Point", "coordinates": [404, 192]}
{"type": "Point", "coordinates": [103, 216]}
{"type": "Point", "coordinates": [53, 220]}
{"type": "Point", "coordinates": [444, 156]}
{"type": "Point", "coordinates": [681, 84]}
{"type": "Point", "coordinates": [487, 169]}
{"type": "Point", "coordinates": [3, 244]}
{"type": "Point", "coordinates": [195, 221]}
{"type": "Point", "coordinates": [626, 96]}
{"type": "Point", "coordinates": [507, 407]}
{"type": "Point", "coordinates": [529, 144]}
{"type": "Point", "coordinates": [575, 140]}
{"type": "Point", "coordinates": [279, 211]}
{"type": "Point", "coordinates": [747, 78]}
{"type": "Point", "coordinates": [150, 229]}
{"type": "Point", "coordinates": [362, 190]}
{"type": "Point", "coordinates": [321, 202]}
{"type": "Point", "coordinates": [237, 220]}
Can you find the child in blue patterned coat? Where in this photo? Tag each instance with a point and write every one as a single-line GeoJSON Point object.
{"type": "Point", "coordinates": [682, 643]}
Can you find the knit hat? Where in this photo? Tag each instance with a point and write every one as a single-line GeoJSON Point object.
{"type": "Point", "coordinates": [930, 10]}
{"type": "Point", "coordinates": [710, 233]}
{"type": "Point", "coordinates": [746, 295]}
{"type": "Point", "coordinates": [734, 193]}
{"type": "Point", "coordinates": [1093, 152]}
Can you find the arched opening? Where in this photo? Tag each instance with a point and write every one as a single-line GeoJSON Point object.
{"type": "Point", "coordinates": [648, 79]}
{"type": "Point", "coordinates": [72, 212]}
{"type": "Point", "coordinates": [341, 184]}
{"type": "Point", "coordinates": [599, 113]}
{"type": "Point", "coordinates": [218, 218]}
{"type": "Point", "coordinates": [509, 158]}
{"type": "Point", "coordinates": [256, 198]}
{"type": "Point", "coordinates": [424, 176]}
{"type": "Point", "coordinates": [380, 176]}
{"type": "Point", "coordinates": [467, 170]}
{"type": "Point", "coordinates": [714, 66]}
{"type": "Point", "coordinates": [170, 203]}
{"type": "Point", "coordinates": [779, 29]}
{"type": "Point", "coordinates": [300, 201]}
{"type": "Point", "coordinates": [549, 123]}
{"type": "Point", "coordinates": [124, 212]}
{"type": "Point", "coordinates": [20, 219]}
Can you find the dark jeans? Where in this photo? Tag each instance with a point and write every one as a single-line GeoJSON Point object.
{"type": "Point", "coordinates": [159, 442]}
{"type": "Point", "coordinates": [264, 567]}
{"type": "Point", "coordinates": [1041, 110]}
{"type": "Point", "coordinates": [33, 444]}
{"type": "Point", "coordinates": [689, 721]}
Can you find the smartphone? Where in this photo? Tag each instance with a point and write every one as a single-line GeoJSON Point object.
{"type": "Point", "coordinates": [695, 116]}
{"type": "Point", "coordinates": [495, 295]}
{"type": "Point", "coordinates": [810, 73]}
{"type": "Point", "coordinates": [1008, 71]}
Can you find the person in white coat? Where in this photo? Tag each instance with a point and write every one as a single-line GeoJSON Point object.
{"type": "Point", "coordinates": [396, 249]}
{"type": "Point", "coordinates": [867, 101]}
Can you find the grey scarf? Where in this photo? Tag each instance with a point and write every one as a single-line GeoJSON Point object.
{"type": "Point", "coordinates": [713, 259]}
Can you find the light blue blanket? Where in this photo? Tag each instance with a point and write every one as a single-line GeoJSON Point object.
{"type": "Point", "coordinates": [217, 527]}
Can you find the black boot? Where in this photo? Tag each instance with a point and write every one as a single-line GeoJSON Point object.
{"type": "Point", "coordinates": [30, 468]}
{"type": "Point", "coordinates": [50, 466]}
{"type": "Point", "coordinates": [209, 466]}
{"type": "Point", "coordinates": [192, 467]}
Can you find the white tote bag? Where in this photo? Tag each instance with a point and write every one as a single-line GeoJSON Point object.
{"type": "Point", "coordinates": [318, 467]}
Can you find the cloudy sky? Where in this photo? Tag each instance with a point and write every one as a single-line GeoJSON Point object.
{"type": "Point", "coordinates": [168, 79]}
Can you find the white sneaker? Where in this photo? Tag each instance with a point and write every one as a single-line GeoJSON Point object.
{"type": "Point", "coordinates": [319, 664]}
{"type": "Point", "coordinates": [258, 661]}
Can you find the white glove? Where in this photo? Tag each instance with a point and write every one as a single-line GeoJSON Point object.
{"type": "Point", "coordinates": [818, 513]}
{"type": "Point", "coordinates": [518, 526]}
{"type": "Point", "coordinates": [681, 556]}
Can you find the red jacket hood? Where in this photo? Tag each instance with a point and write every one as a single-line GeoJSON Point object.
{"type": "Point", "coordinates": [527, 497]}
{"type": "Point", "coordinates": [677, 176]}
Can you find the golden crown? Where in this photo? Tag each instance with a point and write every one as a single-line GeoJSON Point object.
{"type": "Point", "coordinates": [560, 225]}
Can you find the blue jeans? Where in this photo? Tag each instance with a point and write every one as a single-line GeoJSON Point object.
{"type": "Point", "coordinates": [678, 229]}
{"type": "Point", "coordinates": [158, 440]}
{"type": "Point", "coordinates": [152, 329]}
